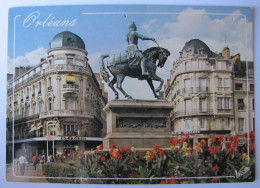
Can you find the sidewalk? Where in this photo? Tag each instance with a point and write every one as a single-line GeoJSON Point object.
{"type": "Point", "coordinates": [30, 175]}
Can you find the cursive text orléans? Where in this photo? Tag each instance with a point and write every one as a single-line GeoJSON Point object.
{"type": "Point", "coordinates": [34, 19]}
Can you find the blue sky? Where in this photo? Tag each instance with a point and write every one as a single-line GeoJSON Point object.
{"type": "Point", "coordinates": [171, 26]}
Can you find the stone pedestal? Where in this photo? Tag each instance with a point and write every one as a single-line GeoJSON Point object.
{"type": "Point", "coordinates": [138, 123]}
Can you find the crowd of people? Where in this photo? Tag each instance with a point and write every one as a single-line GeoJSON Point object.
{"type": "Point", "coordinates": [21, 163]}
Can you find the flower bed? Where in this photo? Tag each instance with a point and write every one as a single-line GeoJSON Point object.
{"type": "Point", "coordinates": [219, 162]}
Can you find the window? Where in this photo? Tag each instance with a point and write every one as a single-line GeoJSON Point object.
{"type": "Point", "coordinates": [33, 94]}
{"type": "Point", "coordinates": [253, 104]}
{"type": "Point", "coordinates": [240, 124]}
{"type": "Point", "coordinates": [253, 124]}
{"type": "Point", "coordinates": [202, 85]}
{"type": "Point", "coordinates": [252, 87]}
{"type": "Point", "coordinates": [40, 88]}
{"type": "Point", "coordinates": [187, 124]}
{"type": "Point", "coordinates": [187, 85]}
{"type": "Point", "coordinates": [219, 82]}
{"type": "Point", "coordinates": [40, 107]}
{"type": "Point", "coordinates": [228, 123]}
{"type": "Point", "coordinates": [49, 81]}
{"type": "Point", "coordinates": [27, 93]}
{"type": "Point", "coordinates": [203, 122]}
{"type": "Point", "coordinates": [49, 84]}
{"type": "Point", "coordinates": [222, 65]}
{"type": "Point", "coordinates": [227, 103]}
{"type": "Point", "coordinates": [70, 103]}
{"type": "Point", "coordinates": [50, 104]}
{"type": "Point", "coordinates": [52, 130]}
{"type": "Point", "coordinates": [187, 106]}
{"type": "Point", "coordinates": [238, 86]}
{"type": "Point", "coordinates": [202, 105]}
{"type": "Point", "coordinates": [70, 129]}
{"type": "Point", "coordinates": [220, 99]}
{"type": "Point", "coordinates": [226, 82]}
{"type": "Point", "coordinates": [70, 61]}
{"type": "Point", "coordinates": [240, 104]}
{"type": "Point", "coordinates": [34, 108]}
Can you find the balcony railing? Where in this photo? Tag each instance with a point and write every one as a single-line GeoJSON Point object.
{"type": "Point", "coordinates": [70, 86]}
{"type": "Point", "coordinates": [202, 89]}
{"type": "Point", "coordinates": [64, 113]}
{"type": "Point", "coordinates": [49, 88]}
{"type": "Point", "coordinates": [192, 112]}
{"type": "Point", "coordinates": [187, 90]}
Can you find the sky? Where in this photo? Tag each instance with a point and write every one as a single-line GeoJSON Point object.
{"type": "Point", "coordinates": [104, 29]}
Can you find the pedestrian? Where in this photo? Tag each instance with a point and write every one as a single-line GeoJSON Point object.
{"type": "Point", "coordinates": [34, 160]}
{"type": "Point", "coordinates": [22, 162]}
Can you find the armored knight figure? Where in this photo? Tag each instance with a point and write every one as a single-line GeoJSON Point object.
{"type": "Point", "coordinates": [133, 53]}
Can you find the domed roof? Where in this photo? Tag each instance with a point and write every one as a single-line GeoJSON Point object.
{"type": "Point", "coordinates": [67, 39]}
{"type": "Point", "coordinates": [196, 46]}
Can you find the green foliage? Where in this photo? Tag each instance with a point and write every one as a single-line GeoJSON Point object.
{"type": "Point", "coordinates": [54, 169]}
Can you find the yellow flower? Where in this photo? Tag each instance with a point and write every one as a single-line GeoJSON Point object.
{"type": "Point", "coordinates": [185, 144]}
{"type": "Point", "coordinates": [172, 147]}
{"type": "Point", "coordinates": [245, 156]}
{"type": "Point", "coordinates": [183, 148]}
{"type": "Point", "coordinates": [77, 148]}
{"type": "Point", "coordinates": [187, 154]}
{"type": "Point", "coordinates": [133, 149]}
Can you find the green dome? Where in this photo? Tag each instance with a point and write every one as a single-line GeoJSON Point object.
{"type": "Point", "coordinates": [67, 39]}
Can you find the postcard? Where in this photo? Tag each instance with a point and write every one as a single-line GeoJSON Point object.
{"type": "Point", "coordinates": [130, 94]}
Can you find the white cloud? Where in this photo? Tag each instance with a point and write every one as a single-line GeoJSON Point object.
{"type": "Point", "coordinates": [197, 23]}
{"type": "Point", "coordinates": [30, 59]}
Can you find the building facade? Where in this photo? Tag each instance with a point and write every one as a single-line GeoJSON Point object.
{"type": "Point", "coordinates": [57, 104]}
{"type": "Point", "coordinates": [202, 89]}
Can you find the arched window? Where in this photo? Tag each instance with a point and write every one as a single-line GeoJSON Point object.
{"type": "Point", "coordinates": [50, 104]}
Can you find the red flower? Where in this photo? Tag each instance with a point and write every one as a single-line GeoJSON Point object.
{"type": "Point", "coordinates": [80, 154]}
{"type": "Point", "coordinates": [164, 182]}
{"type": "Point", "coordinates": [215, 180]}
{"type": "Point", "coordinates": [230, 151]}
{"type": "Point", "coordinates": [228, 144]}
{"type": "Point", "coordinates": [230, 137]}
{"type": "Point", "coordinates": [221, 138]}
{"type": "Point", "coordinates": [213, 139]}
{"type": "Point", "coordinates": [156, 148]}
{"type": "Point", "coordinates": [215, 168]}
{"type": "Point", "coordinates": [100, 147]}
{"type": "Point", "coordinates": [246, 135]}
{"type": "Point", "coordinates": [211, 149]}
{"type": "Point", "coordinates": [252, 135]}
{"type": "Point", "coordinates": [172, 181]}
{"type": "Point", "coordinates": [125, 150]}
{"type": "Point", "coordinates": [203, 143]}
{"type": "Point", "coordinates": [161, 152]}
{"type": "Point", "coordinates": [217, 148]}
{"type": "Point", "coordinates": [103, 158]}
{"type": "Point", "coordinates": [113, 146]}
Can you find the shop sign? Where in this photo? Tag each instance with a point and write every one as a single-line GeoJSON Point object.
{"type": "Point", "coordinates": [185, 132]}
{"type": "Point", "coordinates": [71, 138]}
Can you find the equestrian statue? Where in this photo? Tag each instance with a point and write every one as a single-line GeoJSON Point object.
{"type": "Point", "coordinates": [134, 63]}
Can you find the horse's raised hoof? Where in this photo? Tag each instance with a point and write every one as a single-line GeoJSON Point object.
{"type": "Point", "coordinates": [157, 90]}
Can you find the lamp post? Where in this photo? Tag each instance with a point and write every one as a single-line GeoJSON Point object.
{"type": "Point", "coordinates": [14, 41]}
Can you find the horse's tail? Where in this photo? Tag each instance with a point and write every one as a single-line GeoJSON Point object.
{"type": "Point", "coordinates": [103, 70]}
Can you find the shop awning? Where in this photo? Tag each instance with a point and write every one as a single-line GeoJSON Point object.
{"type": "Point", "coordinates": [35, 128]}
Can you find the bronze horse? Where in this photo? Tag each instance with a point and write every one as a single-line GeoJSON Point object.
{"type": "Point", "coordinates": [119, 67]}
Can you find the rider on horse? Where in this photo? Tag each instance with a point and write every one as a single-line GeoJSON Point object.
{"type": "Point", "coordinates": [133, 53]}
